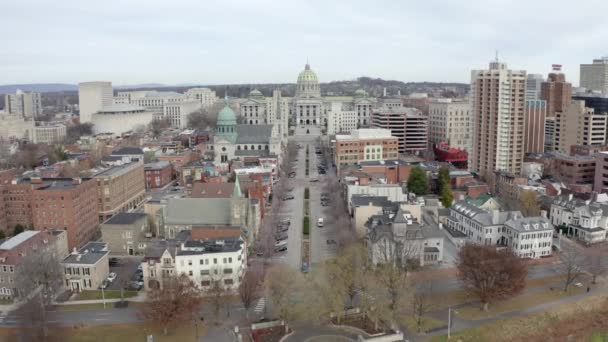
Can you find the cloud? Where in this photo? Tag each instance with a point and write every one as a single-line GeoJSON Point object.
{"type": "Point", "coordinates": [211, 42]}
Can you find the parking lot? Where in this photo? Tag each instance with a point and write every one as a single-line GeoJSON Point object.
{"type": "Point", "coordinates": [126, 272]}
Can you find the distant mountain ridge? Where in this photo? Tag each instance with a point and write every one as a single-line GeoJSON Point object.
{"type": "Point", "coordinates": [38, 87]}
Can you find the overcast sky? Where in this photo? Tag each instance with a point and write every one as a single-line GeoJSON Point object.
{"type": "Point", "coordinates": [249, 41]}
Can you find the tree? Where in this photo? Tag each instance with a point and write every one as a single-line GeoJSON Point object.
{"type": "Point", "coordinates": [422, 302]}
{"type": "Point", "coordinates": [443, 180]}
{"type": "Point", "coordinates": [27, 157]}
{"type": "Point", "coordinates": [76, 131]}
{"type": "Point", "coordinates": [418, 182]}
{"type": "Point", "coordinates": [395, 292]}
{"type": "Point", "coordinates": [157, 126]}
{"type": "Point", "coordinates": [38, 278]}
{"type": "Point", "coordinates": [490, 274]}
{"type": "Point", "coordinates": [248, 289]}
{"type": "Point", "coordinates": [205, 118]}
{"type": "Point", "coordinates": [18, 229]}
{"type": "Point", "coordinates": [446, 196]}
{"type": "Point", "coordinates": [529, 203]}
{"type": "Point", "coordinates": [570, 263]}
{"type": "Point", "coordinates": [217, 292]}
{"type": "Point", "coordinates": [283, 286]}
{"type": "Point", "coordinates": [177, 301]}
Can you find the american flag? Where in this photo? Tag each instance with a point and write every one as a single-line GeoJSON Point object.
{"type": "Point", "coordinates": [556, 67]}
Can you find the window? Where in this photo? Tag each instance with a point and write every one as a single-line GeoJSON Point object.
{"type": "Point", "coordinates": [230, 260]}
{"type": "Point", "coordinates": [204, 272]}
{"type": "Point", "coordinates": [227, 270]}
{"type": "Point", "coordinates": [189, 262]}
{"type": "Point", "coordinates": [215, 261]}
{"type": "Point", "coordinates": [205, 283]}
{"type": "Point", "coordinates": [228, 282]}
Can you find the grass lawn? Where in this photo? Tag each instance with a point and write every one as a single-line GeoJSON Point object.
{"type": "Point", "coordinates": [109, 294]}
{"type": "Point", "coordinates": [127, 332]}
{"type": "Point", "coordinates": [579, 320]}
{"type": "Point", "coordinates": [427, 323]}
{"type": "Point", "coordinates": [6, 301]}
{"type": "Point", "coordinates": [517, 303]}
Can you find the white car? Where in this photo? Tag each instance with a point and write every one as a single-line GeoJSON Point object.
{"type": "Point", "coordinates": [111, 277]}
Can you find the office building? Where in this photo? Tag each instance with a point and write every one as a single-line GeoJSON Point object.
{"type": "Point", "coordinates": [549, 133]}
{"type": "Point", "coordinates": [49, 133]}
{"type": "Point", "coordinates": [26, 104]}
{"type": "Point", "coordinates": [557, 92]}
{"type": "Point", "coordinates": [594, 76]}
{"type": "Point", "coordinates": [93, 97]}
{"type": "Point", "coordinates": [534, 135]}
{"type": "Point", "coordinates": [341, 121]}
{"type": "Point", "coordinates": [600, 183]}
{"type": "Point", "coordinates": [365, 144]}
{"type": "Point", "coordinates": [579, 125]}
{"type": "Point", "coordinates": [15, 127]}
{"type": "Point", "coordinates": [599, 102]}
{"type": "Point", "coordinates": [497, 107]}
{"type": "Point", "coordinates": [450, 122]}
{"type": "Point", "coordinates": [120, 189]}
{"type": "Point", "coordinates": [205, 96]}
{"type": "Point", "coordinates": [533, 86]}
{"type": "Point", "coordinates": [409, 125]}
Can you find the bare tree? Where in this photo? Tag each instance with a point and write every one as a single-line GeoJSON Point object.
{"type": "Point", "coordinates": [157, 126]}
{"type": "Point", "coordinates": [283, 286]}
{"type": "Point", "coordinates": [595, 264]}
{"type": "Point", "coordinates": [491, 274]}
{"type": "Point", "coordinates": [206, 117]}
{"type": "Point", "coordinates": [76, 131]}
{"type": "Point", "coordinates": [33, 322]}
{"type": "Point", "coordinates": [422, 302]}
{"type": "Point", "coordinates": [177, 301]}
{"type": "Point", "coordinates": [218, 292]}
{"type": "Point", "coordinates": [248, 289]}
{"type": "Point", "coordinates": [529, 203]}
{"type": "Point", "coordinates": [38, 278]}
{"type": "Point", "coordinates": [27, 157]}
{"type": "Point", "coordinates": [395, 289]}
{"type": "Point", "coordinates": [570, 264]}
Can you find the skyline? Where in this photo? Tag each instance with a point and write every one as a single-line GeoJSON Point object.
{"type": "Point", "coordinates": [266, 42]}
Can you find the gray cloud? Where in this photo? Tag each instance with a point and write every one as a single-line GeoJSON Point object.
{"type": "Point", "coordinates": [212, 42]}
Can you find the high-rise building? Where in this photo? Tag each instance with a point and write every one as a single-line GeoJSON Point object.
{"type": "Point", "coordinates": [26, 104]}
{"type": "Point", "coordinates": [534, 136]}
{"type": "Point", "coordinates": [92, 97]}
{"type": "Point", "coordinates": [549, 133]}
{"type": "Point", "coordinates": [409, 125]}
{"type": "Point", "coordinates": [533, 86]}
{"type": "Point", "coordinates": [450, 122]}
{"type": "Point", "coordinates": [497, 107]}
{"type": "Point", "coordinates": [579, 125]}
{"type": "Point", "coordinates": [557, 92]}
{"type": "Point", "coordinates": [595, 76]}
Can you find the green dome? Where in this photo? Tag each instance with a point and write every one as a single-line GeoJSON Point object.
{"type": "Point", "coordinates": [307, 75]}
{"type": "Point", "coordinates": [360, 93]}
{"type": "Point", "coordinates": [226, 117]}
{"type": "Point", "coordinates": [256, 93]}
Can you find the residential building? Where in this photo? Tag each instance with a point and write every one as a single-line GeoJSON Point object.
{"type": "Point", "coordinates": [205, 262]}
{"type": "Point", "coordinates": [549, 133]}
{"type": "Point", "coordinates": [180, 160]}
{"type": "Point", "coordinates": [341, 121]}
{"type": "Point", "coordinates": [25, 104]}
{"type": "Point", "coordinates": [129, 154]}
{"type": "Point", "coordinates": [86, 268]}
{"type": "Point", "coordinates": [557, 93]}
{"type": "Point", "coordinates": [205, 96]}
{"type": "Point", "coordinates": [363, 207]}
{"type": "Point", "coordinates": [126, 233]}
{"type": "Point", "coordinates": [307, 103]}
{"type": "Point", "coordinates": [92, 98]}
{"type": "Point", "coordinates": [51, 133]}
{"type": "Point", "coordinates": [579, 125]}
{"type": "Point", "coordinates": [497, 108]}
{"type": "Point", "coordinates": [365, 144]}
{"type": "Point", "coordinates": [595, 76]}
{"type": "Point", "coordinates": [581, 220]}
{"type": "Point", "coordinates": [393, 192]}
{"type": "Point", "coordinates": [14, 249]}
{"type": "Point", "coordinates": [158, 174]}
{"type": "Point", "coordinates": [600, 183]}
{"type": "Point", "coordinates": [534, 135]}
{"type": "Point", "coordinates": [533, 86]}
{"type": "Point", "coordinates": [527, 237]}
{"type": "Point", "coordinates": [409, 125]}
{"type": "Point", "coordinates": [393, 171]}
{"type": "Point", "coordinates": [450, 122]}
{"type": "Point", "coordinates": [574, 169]}
{"type": "Point", "coordinates": [119, 188]}
{"type": "Point", "coordinates": [117, 119]}
{"type": "Point", "coordinates": [398, 238]}
{"type": "Point", "coordinates": [53, 203]}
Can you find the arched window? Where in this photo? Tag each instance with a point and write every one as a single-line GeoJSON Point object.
{"type": "Point", "coordinates": [266, 147]}
{"type": "Point", "coordinates": [238, 147]}
{"type": "Point", "coordinates": [252, 147]}
{"type": "Point", "coordinates": [245, 147]}
{"type": "Point", "coordinates": [259, 147]}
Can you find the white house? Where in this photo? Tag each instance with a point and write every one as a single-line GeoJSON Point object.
{"type": "Point", "coordinates": [583, 220]}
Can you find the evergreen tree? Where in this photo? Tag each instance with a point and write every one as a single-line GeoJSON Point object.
{"type": "Point", "coordinates": [443, 179]}
{"type": "Point", "coordinates": [447, 198]}
{"type": "Point", "coordinates": [18, 229]}
{"type": "Point", "coordinates": [418, 182]}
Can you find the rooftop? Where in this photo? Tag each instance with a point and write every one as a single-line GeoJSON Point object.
{"type": "Point", "coordinates": [161, 164]}
{"type": "Point", "coordinates": [197, 247]}
{"type": "Point", "coordinates": [366, 133]}
{"type": "Point", "coordinates": [125, 218]}
{"type": "Point", "coordinates": [18, 239]}
{"type": "Point", "coordinates": [116, 170]}
{"type": "Point", "coordinates": [128, 151]}
{"type": "Point", "coordinates": [89, 254]}
{"type": "Point", "coordinates": [117, 108]}
{"type": "Point", "coordinates": [53, 183]}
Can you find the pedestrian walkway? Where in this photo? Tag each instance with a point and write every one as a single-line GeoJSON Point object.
{"type": "Point", "coordinates": [259, 308]}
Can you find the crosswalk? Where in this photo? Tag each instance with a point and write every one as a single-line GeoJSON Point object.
{"type": "Point", "coordinates": [259, 308]}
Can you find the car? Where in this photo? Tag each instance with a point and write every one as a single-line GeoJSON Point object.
{"type": "Point", "coordinates": [140, 268]}
{"type": "Point", "coordinates": [287, 197]}
{"type": "Point", "coordinates": [331, 242]}
{"type": "Point", "coordinates": [578, 284]}
{"type": "Point", "coordinates": [289, 190]}
{"type": "Point", "coordinates": [111, 277]}
{"type": "Point", "coordinates": [320, 222]}
{"type": "Point", "coordinates": [286, 220]}
{"type": "Point", "coordinates": [324, 204]}
{"type": "Point", "coordinates": [304, 267]}
{"type": "Point", "coordinates": [281, 237]}
{"type": "Point", "coordinates": [282, 229]}
{"type": "Point", "coordinates": [324, 194]}
{"type": "Point", "coordinates": [321, 172]}
{"type": "Point", "coordinates": [104, 285]}
{"type": "Point", "coordinates": [292, 176]}
{"type": "Point", "coordinates": [280, 248]}
{"type": "Point", "coordinates": [314, 180]}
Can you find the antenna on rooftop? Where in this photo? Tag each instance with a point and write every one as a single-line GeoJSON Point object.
{"type": "Point", "coordinates": [496, 56]}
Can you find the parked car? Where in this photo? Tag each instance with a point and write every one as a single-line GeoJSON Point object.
{"type": "Point", "coordinates": [282, 248]}
{"type": "Point", "coordinates": [281, 237]}
{"type": "Point", "coordinates": [114, 262]}
{"type": "Point", "coordinates": [320, 222]}
{"type": "Point", "coordinates": [286, 220]}
{"type": "Point", "coordinates": [287, 197]}
{"type": "Point", "coordinates": [331, 242]}
{"type": "Point", "coordinates": [140, 268]}
{"type": "Point", "coordinates": [314, 180]}
{"type": "Point", "coordinates": [324, 203]}
{"type": "Point", "coordinates": [282, 229]}
{"type": "Point", "coordinates": [111, 277]}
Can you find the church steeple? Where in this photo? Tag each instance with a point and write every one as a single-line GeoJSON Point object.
{"type": "Point", "coordinates": [236, 193]}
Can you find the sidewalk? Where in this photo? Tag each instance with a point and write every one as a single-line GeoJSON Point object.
{"type": "Point", "coordinates": [141, 297]}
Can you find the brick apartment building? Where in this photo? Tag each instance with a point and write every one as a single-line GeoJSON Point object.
{"type": "Point", "coordinates": [178, 160]}
{"type": "Point", "coordinates": [574, 169]}
{"type": "Point", "coordinates": [365, 144]}
{"type": "Point", "coordinates": [392, 171]}
{"type": "Point", "coordinates": [600, 183]}
{"type": "Point", "coordinates": [53, 203]}
{"type": "Point", "coordinates": [120, 188]}
{"type": "Point", "coordinates": [158, 174]}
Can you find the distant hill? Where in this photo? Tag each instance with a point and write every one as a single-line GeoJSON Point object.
{"type": "Point", "coordinates": [38, 87]}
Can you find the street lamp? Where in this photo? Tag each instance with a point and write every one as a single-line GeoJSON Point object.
{"type": "Point", "coordinates": [450, 320]}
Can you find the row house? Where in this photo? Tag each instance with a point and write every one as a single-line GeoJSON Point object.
{"type": "Point", "coordinates": [581, 220]}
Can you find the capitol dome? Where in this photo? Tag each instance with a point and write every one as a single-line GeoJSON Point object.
{"type": "Point", "coordinates": [256, 93]}
{"type": "Point", "coordinates": [360, 93]}
{"type": "Point", "coordinates": [308, 83]}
